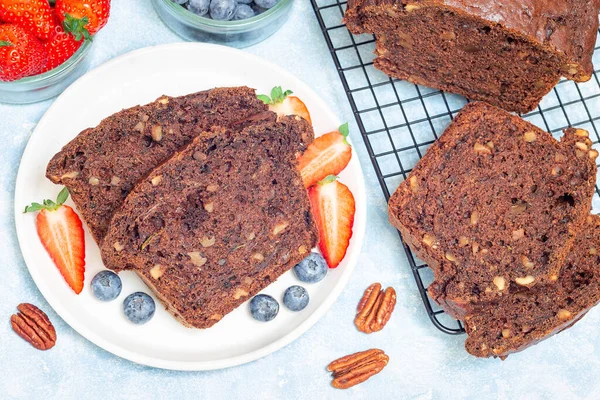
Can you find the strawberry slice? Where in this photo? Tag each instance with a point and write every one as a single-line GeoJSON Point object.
{"type": "Point", "coordinates": [282, 103]}
{"type": "Point", "coordinates": [333, 207]}
{"type": "Point", "coordinates": [61, 233]}
{"type": "Point", "coordinates": [326, 155]}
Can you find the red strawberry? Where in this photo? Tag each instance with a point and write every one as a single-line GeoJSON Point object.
{"type": "Point", "coordinates": [86, 16]}
{"type": "Point", "coordinates": [333, 207]}
{"type": "Point", "coordinates": [282, 103]}
{"type": "Point", "coordinates": [61, 233]}
{"type": "Point", "coordinates": [21, 53]}
{"type": "Point", "coordinates": [327, 155]}
{"type": "Point", "coordinates": [60, 48]}
{"type": "Point", "coordinates": [33, 15]}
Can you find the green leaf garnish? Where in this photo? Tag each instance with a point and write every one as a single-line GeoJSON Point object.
{"type": "Point", "coordinates": [328, 179]}
{"type": "Point", "coordinates": [77, 27]}
{"type": "Point", "coordinates": [264, 98]}
{"type": "Point", "coordinates": [277, 96]}
{"type": "Point", "coordinates": [34, 207]}
{"type": "Point", "coordinates": [63, 195]}
{"type": "Point", "coordinates": [49, 205]}
{"type": "Point", "coordinates": [4, 43]}
{"type": "Point", "coordinates": [343, 129]}
{"type": "Point", "coordinates": [276, 93]}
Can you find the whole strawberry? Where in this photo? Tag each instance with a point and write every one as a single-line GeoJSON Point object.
{"type": "Point", "coordinates": [89, 15]}
{"type": "Point", "coordinates": [33, 15]}
{"type": "Point", "coordinates": [21, 53]}
{"type": "Point", "coordinates": [60, 48]}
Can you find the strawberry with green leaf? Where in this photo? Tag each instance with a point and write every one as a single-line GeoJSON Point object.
{"type": "Point", "coordinates": [61, 233]}
{"type": "Point", "coordinates": [333, 208]}
{"type": "Point", "coordinates": [277, 96]}
{"type": "Point", "coordinates": [83, 17]}
{"type": "Point", "coordinates": [61, 46]}
{"type": "Point", "coordinates": [327, 155]}
{"type": "Point", "coordinates": [282, 103]}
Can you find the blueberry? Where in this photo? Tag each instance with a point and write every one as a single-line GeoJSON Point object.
{"type": "Point", "coordinates": [312, 269]}
{"type": "Point", "coordinates": [222, 10]}
{"type": "Point", "coordinates": [139, 308]}
{"type": "Point", "coordinates": [244, 1]}
{"type": "Point", "coordinates": [264, 308]}
{"type": "Point", "coordinates": [295, 298]}
{"type": "Point", "coordinates": [199, 7]}
{"type": "Point", "coordinates": [106, 285]}
{"type": "Point", "coordinates": [180, 2]}
{"type": "Point", "coordinates": [257, 9]}
{"type": "Point", "coordinates": [243, 11]}
{"type": "Point", "coordinates": [265, 3]}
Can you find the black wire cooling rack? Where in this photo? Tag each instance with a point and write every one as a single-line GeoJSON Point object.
{"type": "Point", "coordinates": [399, 120]}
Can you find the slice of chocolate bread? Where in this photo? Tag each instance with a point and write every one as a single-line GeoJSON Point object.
{"type": "Point", "coordinates": [102, 164]}
{"type": "Point", "coordinates": [494, 204]}
{"type": "Point", "coordinates": [508, 53]}
{"type": "Point", "coordinates": [219, 221]}
{"type": "Point", "coordinates": [524, 317]}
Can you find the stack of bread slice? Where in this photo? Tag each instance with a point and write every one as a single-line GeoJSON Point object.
{"type": "Point", "coordinates": [500, 211]}
{"type": "Point", "coordinates": [200, 195]}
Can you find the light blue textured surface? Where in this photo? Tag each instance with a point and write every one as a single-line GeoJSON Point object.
{"type": "Point", "coordinates": [424, 363]}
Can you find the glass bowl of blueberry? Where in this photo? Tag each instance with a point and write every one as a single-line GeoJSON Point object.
{"type": "Point", "coordinates": [236, 23]}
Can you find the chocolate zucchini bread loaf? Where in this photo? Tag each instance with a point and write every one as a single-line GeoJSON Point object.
{"type": "Point", "coordinates": [102, 164]}
{"type": "Point", "coordinates": [494, 204]}
{"type": "Point", "coordinates": [219, 221]}
{"type": "Point", "coordinates": [509, 53]}
{"type": "Point", "coordinates": [526, 316]}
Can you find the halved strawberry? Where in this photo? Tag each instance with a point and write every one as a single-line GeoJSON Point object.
{"type": "Point", "coordinates": [326, 155]}
{"type": "Point", "coordinates": [282, 103]}
{"type": "Point", "coordinates": [333, 207]}
{"type": "Point", "coordinates": [61, 233]}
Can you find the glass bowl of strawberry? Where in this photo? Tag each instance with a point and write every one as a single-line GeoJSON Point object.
{"type": "Point", "coordinates": [235, 23]}
{"type": "Point", "coordinates": [44, 47]}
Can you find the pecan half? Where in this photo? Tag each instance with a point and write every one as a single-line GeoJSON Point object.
{"type": "Point", "coordinates": [33, 325]}
{"type": "Point", "coordinates": [375, 308]}
{"type": "Point", "coordinates": [357, 368]}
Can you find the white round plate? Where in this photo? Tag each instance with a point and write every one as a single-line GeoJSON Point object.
{"type": "Point", "coordinates": [139, 78]}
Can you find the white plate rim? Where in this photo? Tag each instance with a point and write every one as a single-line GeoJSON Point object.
{"type": "Point", "coordinates": [358, 232]}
